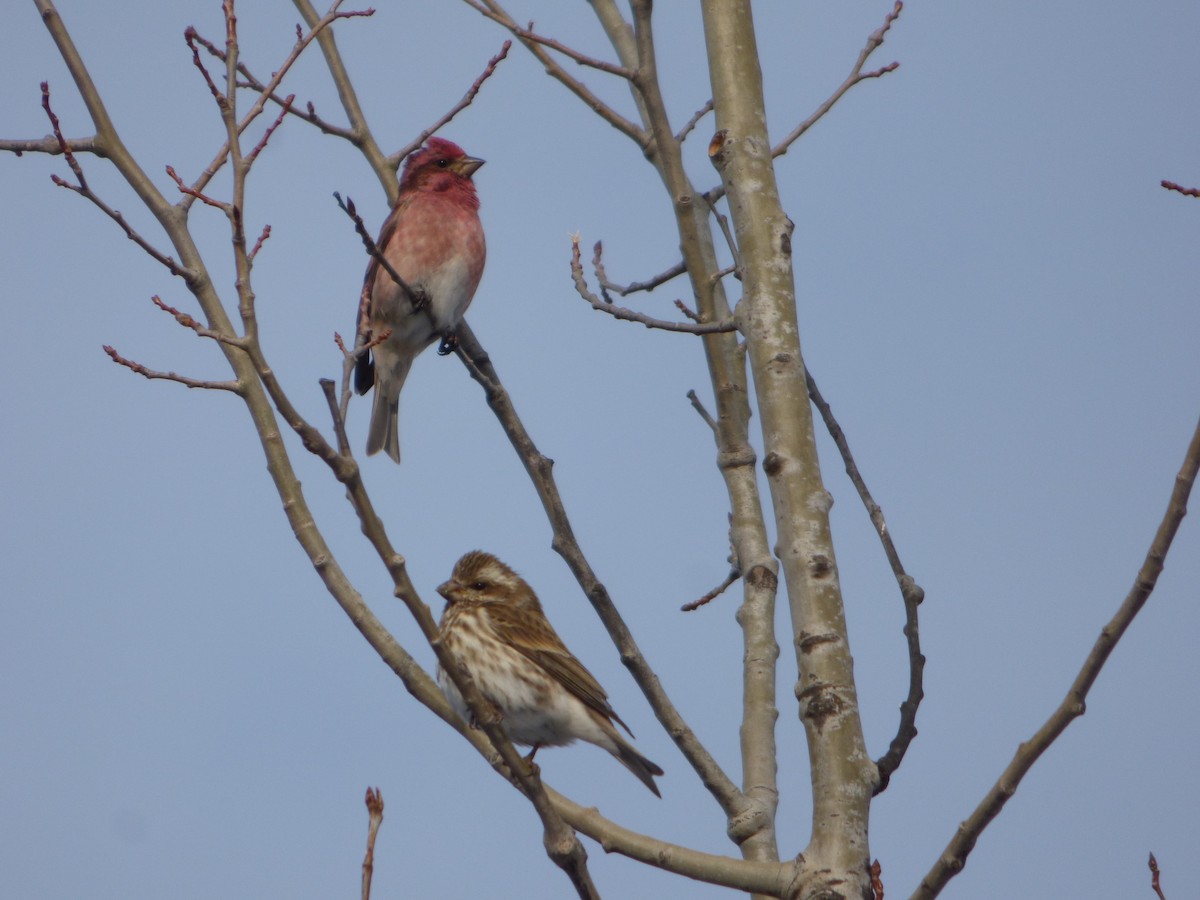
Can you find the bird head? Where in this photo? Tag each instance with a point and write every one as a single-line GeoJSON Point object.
{"type": "Point", "coordinates": [439, 165]}
{"type": "Point", "coordinates": [479, 577]}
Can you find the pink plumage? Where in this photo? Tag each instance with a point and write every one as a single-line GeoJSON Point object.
{"type": "Point", "coordinates": [434, 241]}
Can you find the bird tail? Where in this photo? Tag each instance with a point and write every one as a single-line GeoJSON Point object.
{"type": "Point", "coordinates": [390, 373]}
{"type": "Point", "coordinates": [636, 763]}
{"type": "Point", "coordinates": [384, 433]}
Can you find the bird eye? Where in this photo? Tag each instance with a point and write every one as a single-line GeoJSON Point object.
{"type": "Point", "coordinates": [443, 162]}
{"type": "Point", "coordinates": [479, 585]}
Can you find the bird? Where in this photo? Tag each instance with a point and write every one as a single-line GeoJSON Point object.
{"type": "Point", "coordinates": [434, 240]}
{"type": "Point", "coordinates": [495, 630]}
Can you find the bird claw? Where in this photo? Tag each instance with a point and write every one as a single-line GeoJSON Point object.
{"type": "Point", "coordinates": [531, 768]}
{"type": "Point", "coordinates": [420, 299]}
{"type": "Point", "coordinates": [448, 345]}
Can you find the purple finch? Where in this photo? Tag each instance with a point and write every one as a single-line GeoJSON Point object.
{"type": "Point", "coordinates": [495, 628]}
{"type": "Point", "coordinates": [434, 241]}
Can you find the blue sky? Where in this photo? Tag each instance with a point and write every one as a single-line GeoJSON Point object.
{"type": "Point", "coordinates": [995, 295]}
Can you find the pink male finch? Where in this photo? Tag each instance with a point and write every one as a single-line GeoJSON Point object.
{"type": "Point", "coordinates": [495, 628]}
{"type": "Point", "coordinates": [434, 241]}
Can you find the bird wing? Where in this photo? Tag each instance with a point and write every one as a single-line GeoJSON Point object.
{"type": "Point", "coordinates": [364, 368]}
{"type": "Point", "coordinates": [534, 637]}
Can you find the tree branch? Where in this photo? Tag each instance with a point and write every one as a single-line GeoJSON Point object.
{"type": "Point", "coordinates": [650, 284]}
{"type": "Point", "coordinates": [691, 123]}
{"type": "Point", "coordinates": [874, 42]}
{"type": "Point", "coordinates": [231, 386]}
{"type": "Point", "coordinates": [629, 315]}
{"type": "Point", "coordinates": [52, 145]}
{"type": "Point", "coordinates": [954, 857]}
{"type": "Point", "coordinates": [856, 75]}
{"type": "Point", "coordinates": [363, 138]}
{"type": "Point", "coordinates": [494, 11]}
{"type": "Point", "coordinates": [842, 774]}
{"type": "Point", "coordinates": [85, 191]}
{"type": "Point", "coordinates": [910, 592]}
{"type": "Point", "coordinates": [750, 814]}
{"type": "Point", "coordinates": [309, 114]}
{"type": "Point", "coordinates": [529, 36]}
{"type": "Point", "coordinates": [227, 100]}
{"type": "Point", "coordinates": [540, 470]}
{"type": "Point", "coordinates": [396, 158]}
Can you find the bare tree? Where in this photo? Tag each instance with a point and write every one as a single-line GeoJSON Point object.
{"type": "Point", "coordinates": [750, 342]}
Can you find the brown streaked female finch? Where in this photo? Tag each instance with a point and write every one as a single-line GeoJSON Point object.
{"type": "Point", "coordinates": [495, 628]}
{"type": "Point", "coordinates": [434, 241]}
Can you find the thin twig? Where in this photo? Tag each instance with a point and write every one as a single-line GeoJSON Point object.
{"type": "Point", "coordinates": [729, 241]}
{"type": "Point", "coordinates": [287, 105]}
{"type": "Point", "coordinates": [911, 593]}
{"type": "Point", "coordinates": [629, 315]}
{"type": "Point", "coordinates": [231, 386]}
{"type": "Point", "coordinates": [857, 75]}
{"type": "Point", "coordinates": [876, 881]}
{"type": "Point", "coordinates": [648, 285]}
{"type": "Point", "coordinates": [694, 121]}
{"type": "Point", "coordinates": [309, 114]}
{"type": "Point", "coordinates": [339, 423]}
{"type": "Point", "coordinates": [529, 36]}
{"type": "Point", "coordinates": [350, 358]}
{"type": "Point", "coordinates": [190, 36]}
{"type": "Point", "coordinates": [85, 191]}
{"type": "Point", "coordinates": [373, 249]}
{"type": "Point", "coordinates": [1180, 189]}
{"type": "Point", "coordinates": [493, 10]}
{"type": "Point", "coordinates": [188, 321]}
{"type": "Point", "coordinates": [951, 860]}
{"type": "Point", "coordinates": [62, 141]}
{"type": "Point", "coordinates": [262, 238]}
{"type": "Point", "coordinates": [268, 91]}
{"type": "Point", "coordinates": [199, 195]}
{"type": "Point", "coordinates": [1154, 878]}
{"type": "Point", "coordinates": [704, 414]}
{"type": "Point", "coordinates": [374, 820]}
{"type": "Point", "coordinates": [398, 157]}
{"type": "Point", "coordinates": [687, 310]}
{"type": "Point", "coordinates": [874, 42]}
{"type": "Point", "coordinates": [734, 575]}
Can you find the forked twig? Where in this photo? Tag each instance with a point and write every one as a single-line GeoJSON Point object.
{"type": "Point", "coordinates": [648, 285]}
{"type": "Point", "coordinates": [629, 315]}
{"type": "Point", "coordinates": [85, 191]}
{"type": "Point", "coordinates": [874, 42]}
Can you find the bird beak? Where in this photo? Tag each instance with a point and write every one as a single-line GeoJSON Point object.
{"type": "Point", "coordinates": [467, 166]}
{"type": "Point", "coordinates": [449, 590]}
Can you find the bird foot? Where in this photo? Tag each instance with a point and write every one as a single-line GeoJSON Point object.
{"type": "Point", "coordinates": [531, 767]}
{"type": "Point", "coordinates": [448, 345]}
{"type": "Point", "coordinates": [493, 715]}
